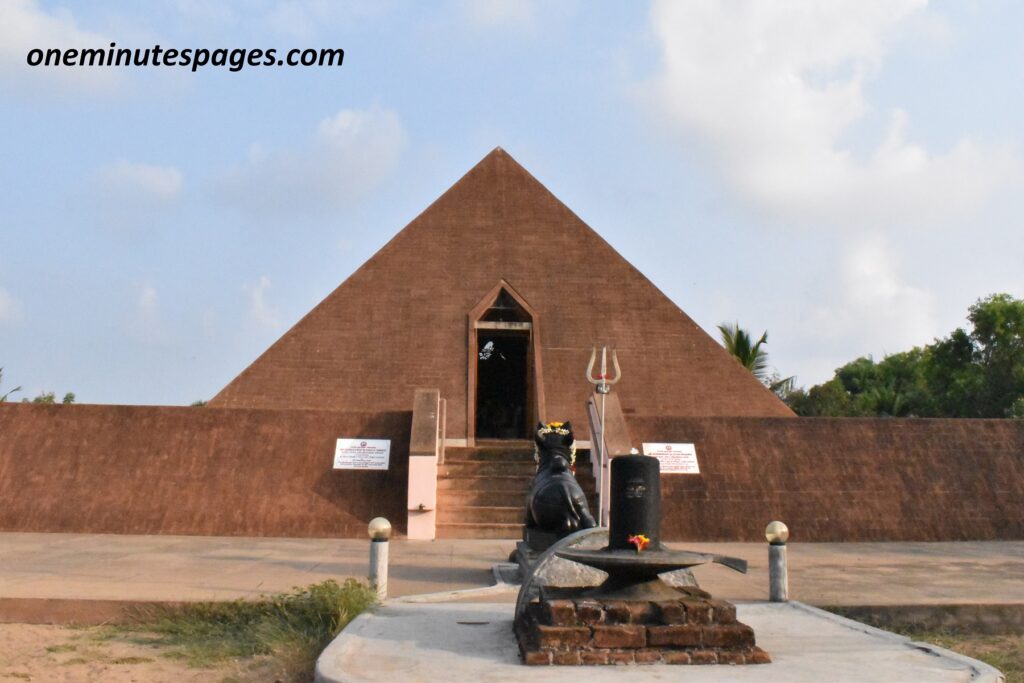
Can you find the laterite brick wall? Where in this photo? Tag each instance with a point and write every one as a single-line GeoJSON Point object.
{"type": "Point", "coordinates": [209, 471]}
{"type": "Point", "coordinates": [204, 471]}
{"type": "Point", "coordinates": [844, 479]}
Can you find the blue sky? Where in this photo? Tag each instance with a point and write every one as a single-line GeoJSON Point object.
{"type": "Point", "coordinates": [845, 175]}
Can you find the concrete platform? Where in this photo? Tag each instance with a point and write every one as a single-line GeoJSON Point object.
{"type": "Point", "coordinates": [474, 642]}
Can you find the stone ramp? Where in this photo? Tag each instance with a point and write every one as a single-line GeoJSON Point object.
{"type": "Point", "coordinates": [474, 642]}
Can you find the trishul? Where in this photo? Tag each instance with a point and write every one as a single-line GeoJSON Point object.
{"type": "Point", "coordinates": [602, 382]}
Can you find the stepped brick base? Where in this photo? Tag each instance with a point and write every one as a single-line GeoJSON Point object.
{"type": "Point", "coordinates": [687, 630]}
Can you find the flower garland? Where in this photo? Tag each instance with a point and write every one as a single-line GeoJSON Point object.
{"type": "Point", "coordinates": [639, 541]}
{"type": "Point", "coordinates": [555, 428]}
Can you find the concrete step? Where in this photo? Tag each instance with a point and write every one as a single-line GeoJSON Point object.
{"type": "Point", "coordinates": [481, 491]}
{"type": "Point", "coordinates": [499, 482]}
{"type": "Point", "coordinates": [487, 454]}
{"type": "Point", "coordinates": [467, 514]}
{"type": "Point", "coordinates": [512, 444]}
{"type": "Point", "coordinates": [457, 468]}
{"type": "Point", "coordinates": [487, 482]}
{"type": "Point", "coordinates": [502, 499]}
{"type": "Point", "coordinates": [517, 485]}
{"type": "Point", "coordinates": [502, 453]}
{"type": "Point", "coordinates": [456, 530]}
{"type": "Point", "coordinates": [468, 497]}
{"type": "Point", "coordinates": [479, 468]}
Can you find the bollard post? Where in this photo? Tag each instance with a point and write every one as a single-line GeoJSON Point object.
{"type": "Point", "coordinates": [777, 534]}
{"type": "Point", "coordinates": [379, 530]}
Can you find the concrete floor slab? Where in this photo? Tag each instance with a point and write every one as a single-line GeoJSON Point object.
{"type": "Point", "coordinates": [474, 642]}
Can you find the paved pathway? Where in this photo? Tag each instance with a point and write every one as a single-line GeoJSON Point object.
{"type": "Point", "coordinates": [175, 568]}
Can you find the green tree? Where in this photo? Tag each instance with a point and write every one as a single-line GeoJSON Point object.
{"type": "Point", "coordinates": [952, 376]}
{"type": "Point", "coordinates": [48, 398]}
{"type": "Point", "coordinates": [1017, 409]}
{"type": "Point", "coordinates": [3, 397]}
{"type": "Point", "coordinates": [966, 374]}
{"type": "Point", "coordinates": [830, 399]}
{"type": "Point", "coordinates": [998, 338]}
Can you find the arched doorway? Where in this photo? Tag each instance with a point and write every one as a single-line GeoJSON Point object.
{"type": "Point", "coordinates": [505, 396]}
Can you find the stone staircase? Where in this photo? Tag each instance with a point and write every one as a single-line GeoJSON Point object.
{"type": "Point", "coordinates": [481, 491]}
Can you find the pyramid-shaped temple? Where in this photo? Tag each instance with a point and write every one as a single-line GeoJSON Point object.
{"type": "Point", "coordinates": [496, 295]}
{"type": "Point", "coordinates": [409, 391]}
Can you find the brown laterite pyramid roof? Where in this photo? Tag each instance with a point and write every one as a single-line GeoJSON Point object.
{"type": "Point", "coordinates": [400, 321]}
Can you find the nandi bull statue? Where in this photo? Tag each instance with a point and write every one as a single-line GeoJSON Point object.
{"type": "Point", "coordinates": [555, 505]}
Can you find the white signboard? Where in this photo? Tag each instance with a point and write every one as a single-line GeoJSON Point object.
{"type": "Point", "coordinates": [676, 458]}
{"type": "Point", "coordinates": [362, 454]}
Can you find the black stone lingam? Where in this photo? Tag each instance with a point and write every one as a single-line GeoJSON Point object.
{"type": "Point", "coordinates": [635, 556]}
{"type": "Point", "coordinates": [635, 500]}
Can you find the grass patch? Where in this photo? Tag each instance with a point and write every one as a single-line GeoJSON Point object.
{"type": "Point", "coordinates": [53, 649]}
{"type": "Point", "coordinates": [1003, 651]}
{"type": "Point", "coordinates": [293, 627]}
{"type": "Point", "coordinates": [79, 660]}
{"type": "Point", "coordinates": [131, 660]}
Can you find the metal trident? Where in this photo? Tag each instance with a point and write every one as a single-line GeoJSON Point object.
{"type": "Point", "coordinates": [603, 384]}
{"type": "Point", "coordinates": [602, 381]}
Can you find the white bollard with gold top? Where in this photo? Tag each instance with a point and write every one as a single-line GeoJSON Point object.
{"type": "Point", "coordinates": [379, 530]}
{"type": "Point", "coordinates": [777, 534]}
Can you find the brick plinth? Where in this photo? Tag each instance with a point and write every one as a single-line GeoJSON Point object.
{"type": "Point", "coordinates": [687, 630]}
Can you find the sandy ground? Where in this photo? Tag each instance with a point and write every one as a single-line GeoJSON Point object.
{"type": "Point", "coordinates": [81, 655]}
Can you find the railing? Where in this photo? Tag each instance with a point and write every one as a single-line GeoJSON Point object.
{"type": "Point", "coordinates": [615, 440]}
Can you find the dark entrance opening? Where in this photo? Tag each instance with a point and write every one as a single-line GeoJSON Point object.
{"type": "Point", "coordinates": [502, 384]}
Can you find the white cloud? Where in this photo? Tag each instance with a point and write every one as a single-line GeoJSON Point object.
{"type": "Point", "coordinates": [145, 323]}
{"type": "Point", "coordinates": [875, 309]}
{"type": "Point", "coordinates": [305, 19]}
{"type": "Point", "coordinates": [128, 195]}
{"type": "Point", "coordinates": [206, 12]}
{"type": "Point", "coordinates": [24, 26]}
{"type": "Point", "coordinates": [770, 89]}
{"type": "Point", "coordinates": [348, 156]}
{"type": "Point", "coordinates": [10, 308]}
{"type": "Point", "coordinates": [499, 13]}
{"type": "Point", "coordinates": [209, 323]}
{"type": "Point", "coordinates": [297, 19]}
{"type": "Point", "coordinates": [259, 311]}
{"type": "Point", "coordinates": [293, 19]}
{"type": "Point", "coordinates": [150, 182]}
{"type": "Point", "coordinates": [147, 303]}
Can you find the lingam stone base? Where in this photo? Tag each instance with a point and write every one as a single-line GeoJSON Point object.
{"type": "Point", "coordinates": [691, 629]}
{"type": "Point", "coordinates": [634, 617]}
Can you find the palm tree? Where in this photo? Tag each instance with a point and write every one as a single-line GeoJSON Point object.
{"type": "Point", "coordinates": [4, 396]}
{"type": "Point", "coordinates": [738, 342]}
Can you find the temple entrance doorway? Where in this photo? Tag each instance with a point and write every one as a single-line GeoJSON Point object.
{"type": "Point", "coordinates": [501, 384]}
{"type": "Point", "coordinates": [506, 395]}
